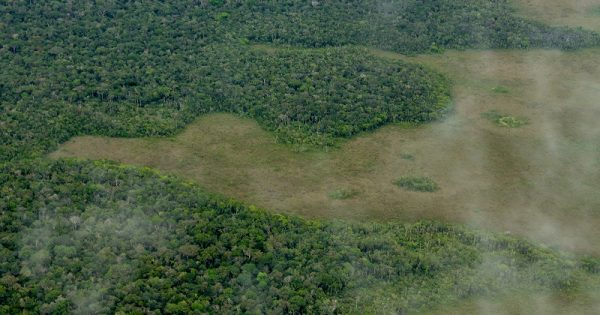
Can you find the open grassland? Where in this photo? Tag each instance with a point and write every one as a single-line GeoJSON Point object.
{"type": "Point", "coordinates": [524, 303]}
{"type": "Point", "coordinates": [539, 180]}
{"type": "Point", "coordinates": [575, 13]}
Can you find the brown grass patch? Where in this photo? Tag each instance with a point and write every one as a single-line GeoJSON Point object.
{"type": "Point", "coordinates": [574, 13]}
{"type": "Point", "coordinates": [583, 303]}
{"type": "Point", "coordinates": [540, 180]}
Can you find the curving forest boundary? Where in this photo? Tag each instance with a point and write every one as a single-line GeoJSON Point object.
{"type": "Point", "coordinates": [122, 68]}
{"type": "Point", "coordinates": [96, 237]}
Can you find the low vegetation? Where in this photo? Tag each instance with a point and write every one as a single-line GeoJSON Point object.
{"type": "Point", "coordinates": [500, 89]}
{"type": "Point", "coordinates": [506, 121]}
{"type": "Point", "coordinates": [96, 237]}
{"type": "Point", "coordinates": [595, 11]}
{"type": "Point", "coordinates": [478, 165]}
{"type": "Point", "coordinates": [407, 156]}
{"type": "Point", "coordinates": [417, 183]}
{"type": "Point", "coordinates": [342, 194]}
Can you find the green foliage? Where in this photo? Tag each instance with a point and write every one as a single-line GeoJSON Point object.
{"type": "Point", "coordinates": [222, 15]}
{"type": "Point", "coordinates": [342, 194]}
{"type": "Point", "coordinates": [407, 156]}
{"type": "Point", "coordinates": [595, 11]}
{"type": "Point", "coordinates": [147, 69]}
{"type": "Point", "coordinates": [315, 95]}
{"type": "Point", "coordinates": [417, 183]}
{"type": "Point", "coordinates": [96, 237]}
{"type": "Point", "coordinates": [500, 89]}
{"type": "Point", "coordinates": [506, 121]}
{"type": "Point", "coordinates": [305, 97]}
{"type": "Point", "coordinates": [406, 26]}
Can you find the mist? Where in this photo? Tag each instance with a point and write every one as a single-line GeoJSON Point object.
{"type": "Point", "coordinates": [538, 181]}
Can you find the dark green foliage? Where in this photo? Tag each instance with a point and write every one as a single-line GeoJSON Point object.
{"type": "Point", "coordinates": [325, 93]}
{"type": "Point", "coordinates": [95, 237]}
{"type": "Point", "coordinates": [342, 194]}
{"type": "Point", "coordinates": [500, 89]}
{"type": "Point", "coordinates": [121, 68]}
{"type": "Point", "coordinates": [308, 97]}
{"type": "Point", "coordinates": [407, 156]}
{"type": "Point", "coordinates": [407, 26]}
{"type": "Point", "coordinates": [148, 83]}
{"type": "Point", "coordinates": [506, 121]}
{"type": "Point", "coordinates": [417, 183]}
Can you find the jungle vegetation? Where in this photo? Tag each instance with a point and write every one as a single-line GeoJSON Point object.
{"type": "Point", "coordinates": [123, 68]}
{"type": "Point", "coordinates": [97, 237]}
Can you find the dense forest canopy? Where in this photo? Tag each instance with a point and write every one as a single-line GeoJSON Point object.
{"type": "Point", "coordinates": [406, 26]}
{"type": "Point", "coordinates": [139, 68]}
{"type": "Point", "coordinates": [96, 237]}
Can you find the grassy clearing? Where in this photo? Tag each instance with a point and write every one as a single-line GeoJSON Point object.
{"type": "Point", "coordinates": [506, 121]}
{"type": "Point", "coordinates": [581, 303]}
{"type": "Point", "coordinates": [490, 178]}
{"type": "Point", "coordinates": [595, 11]}
{"type": "Point", "coordinates": [574, 13]}
{"type": "Point", "coordinates": [417, 183]}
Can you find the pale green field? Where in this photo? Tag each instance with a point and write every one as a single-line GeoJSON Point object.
{"type": "Point", "coordinates": [539, 180]}
{"type": "Point", "coordinates": [525, 304]}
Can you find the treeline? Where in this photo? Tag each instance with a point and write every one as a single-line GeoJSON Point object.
{"type": "Point", "coordinates": [315, 96]}
{"type": "Point", "coordinates": [406, 26]}
{"type": "Point", "coordinates": [133, 68]}
{"type": "Point", "coordinates": [304, 96]}
{"type": "Point", "coordinates": [96, 237]}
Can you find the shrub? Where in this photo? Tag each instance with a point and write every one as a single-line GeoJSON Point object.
{"type": "Point", "coordinates": [417, 183]}
{"type": "Point", "coordinates": [342, 194]}
{"type": "Point", "coordinates": [407, 156]}
{"type": "Point", "coordinates": [506, 121]}
{"type": "Point", "coordinates": [500, 89]}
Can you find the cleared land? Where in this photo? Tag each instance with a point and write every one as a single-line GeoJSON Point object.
{"type": "Point", "coordinates": [574, 13]}
{"type": "Point", "coordinates": [539, 180]}
{"type": "Point", "coordinates": [525, 303]}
